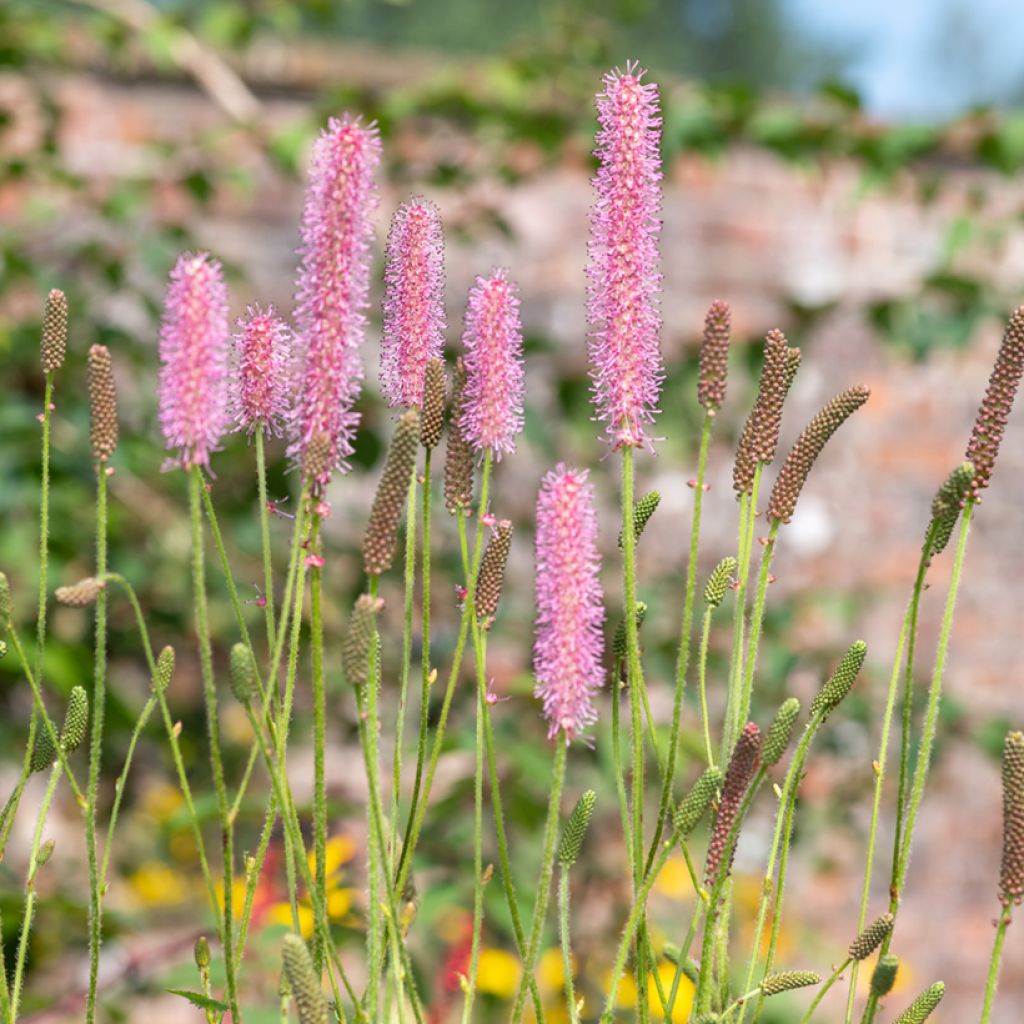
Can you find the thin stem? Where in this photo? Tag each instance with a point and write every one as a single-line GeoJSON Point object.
{"type": "Point", "coordinates": [738, 1002]}
{"type": "Point", "coordinates": [30, 893]}
{"type": "Point", "coordinates": [620, 783]}
{"type": "Point", "coordinates": [702, 677]}
{"type": "Point", "coordinates": [684, 954]}
{"type": "Point", "coordinates": [377, 849]}
{"type": "Point", "coordinates": [197, 485]}
{"type": "Point", "coordinates": [757, 620]}
{"type": "Point", "coordinates": [44, 529]}
{"type": "Point", "coordinates": [319, 729]}
{"type": "Point", "coordinates": [993, 967]}
{"type": "Point", "coordinates": [268, 564]}
{"type": "Point", "coordinates": [99, 700]}
{"type": "Point", "coordinates": [820, 994]}
{"type": "Point", "coordinates": [544, 881]}
{"type": "Point", "coordinates": [563, 931]}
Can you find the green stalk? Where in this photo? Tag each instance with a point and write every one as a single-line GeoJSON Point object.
{"type": "Point", "coordinates": [993, 967]}
{"type": "Point", "coordinates": [421, 745]}
{"type": "Point", "coordinates": [30, 893]}
{"type": "Point", "coordinates": [820, 994]}
{"type": "Point", "coordinates": [319, 732]}
{"type": "Point", "coordinates": [44, 530]}
{"type": "Point", "coordinates": [702, 677]}
{"type": "Point", "coordinates": [620, 783]}
{"type": "Point", "coordinates": [196, 485]}
{"type": "Point", "coordinates": [909, 627]}
{"type": "Point", "coordinates": [544, 882]}
{"type": "Point", "coordinates": [563, 932]}
{"type": "Point", "coordinates": [96, 716]}
{"type": "Point", "coordinates": [756, 624]}
{"type": "Point", "coordinates": [403, 680]}
{"type": "Point", "coordinates": [268, 564]}
{"type": "Point", "coordinates": [684, 953]}
{"type": "Point", "coordinates": [376, 847]}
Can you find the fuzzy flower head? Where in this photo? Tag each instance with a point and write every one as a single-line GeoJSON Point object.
{"type": "Point", "coordinates": [261, 389]}
{"type": "Point", "coordinates": [492, 413]}
{"type": "Point", "coordinates": [622, 295]}
{"type": "Point", "coordinates": [414, 322]}
{"type": "Point", "coordinates": [569, 642]}
{"type": "Point", "coordinates": [332, 292]}
{"type": "Point", "coordinates": [194, 356]}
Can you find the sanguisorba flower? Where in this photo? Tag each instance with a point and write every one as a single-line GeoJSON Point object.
{"type": "Point", "coordinates": [414, 321]}
{"type": "Point", "coordinates": [194, 357]}
{"type": "Point", "coordinates": [569, 643]}
{"type": "Point", "coordinates": [261, 389]}
{"type": "Point", "coordinates": [332, 292]}
{"type": "Point", "coordinates": [622, 294]}
{"type": "Point", "coordinates": [492, 412]}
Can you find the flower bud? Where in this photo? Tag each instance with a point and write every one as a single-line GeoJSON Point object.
{"type": "Point", "coordinates": [55, 331]}
{"type": "Point", "coordinates": [242, 674]}
{"type": "Point", "coordinates": [884, 975]}
{"type": "Point", "coordinates": [81, 594]}
{"type": "Point", "coordinates": [718, 581]}
{"type": "Point", "coordinates": [304, 981]}
{"type": "Point", "coordinates": [492, 571]}
{"type": "Point", "coordinates": [392, 495]}
{"type": "Point", "coordinates": [45, 853]}
{"type": "Point", "coordinates": [164, 670]}
{"type": "Point", "coordinates": [921, 1008]}
{"type": "Point", "coordinates": [43, 751]}
{"type": "Point", "coordinates": [835, 690]}
{"type": "Point", "coordinates": [459, 457]}
{"type": "Point", "coordinates": [201, 952]}
{"type": "Point", "coordinates": [780, 732]}
{"type": "Point", "coordinates": [576, 829]}
{"type": "Point", "coordinates": [355, 651]}
{"type": "Point", "coordinates": [1011, 877]}
{"type": "Point", "coordinates": [696, 802]}
{"type": "Point", "coordinates": [76, 720]}
{"type": "Point", "coordinates": [102, 404]}
{"type": "Point", "coordinates": [871, 938]}
{"type": "Point", "coordinates": [946, 505]}
{"type": "Point", "coordinates": [786, 981]}
{"type": "Point", "coordinates": [5, 597]}
{"type": "Point", "coordinates": [619, 641]}
{"type": "Point", "coordinates": [643, 509]}
{"type": "Point", "coordinates": [432, 415]}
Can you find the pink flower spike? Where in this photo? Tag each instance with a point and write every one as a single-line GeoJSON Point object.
{"type": "Point", "coordinates": [493, 338]}
{"type": "Point", "coordinates": [568, 643]}
{"type": "Point", "coordinates": [622, 294]}
{"type": "Point", "coordinates": [332, 294]}
{"type": "Point", "coordinates": [194, 355]}
{"type": "Point", "coordinates": [261, 389]}
{"type": "Point", "coordinates": [414, 321]}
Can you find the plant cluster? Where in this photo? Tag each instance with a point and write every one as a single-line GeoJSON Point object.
{"type": "Point", "coordinates": [300, 380]}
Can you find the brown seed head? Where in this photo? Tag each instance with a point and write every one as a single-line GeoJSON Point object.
{"type": "Point", "coordinates": [871, 938]}
{"type": "Point", "coordinates": [808, 447]}
{"type": "Point", "coordinates": [492, 571]}
{"type": "Point", "coordinates": [760, 437]}
{"type": "Point", "coordinates": [459, 457]}
{"type": "Point", "coordinates": [102, 404]}
{"type": "Point", "coordinates": [81, 594]}
{"type": "Point", "coordinates": [318, 459]}
{"type": "Point", "coordinates": [1011, 877]}
{"type": "Point", "coordinates": [55, 331]}
{"type": "Point", "coordinates": [714, 356]}
{"type": "Point", "coordinates": [990, 423]}
{"type": "Point", "coordinates": [746, 757]}
{"type": "Point", "coordinates": [392, 494]}
{"type": "Point", "coordinates": [432, 417]}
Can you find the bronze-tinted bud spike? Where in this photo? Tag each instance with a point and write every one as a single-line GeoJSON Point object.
{"type": "Point", "coordinates": [459, 457]}
{"type": "Point", "coordinates": [1011, 876]}
{"type": "Point", "coordinates": [492, 571]}
{"type": "Point", "coordinates": [947, 503]}
{"type": "Point", "coordinates": [808, 447]}
{"type": "Point", "coordinates": [432, 417]}
{"type": "Point", "coordinates": [55, 331]}
{"type": "Point", "coordinates": [718, 581]}
{"type": "Point", "coordinates": [743, 764]}
{"type": "Point", "coordinates": [355, 650]}
{"type": "Point", "coordinates": [392, 495]}
{"type": "Point", "coordinates": [619, 641]}
{"type": "Point", "coordinates": [714, 357]}
{"type": "Point", "coordinates": [80, 594]}
{"type": "Point", "coordinates": [317, 458]}
{"type": "Point", "coordinates": [871, 938]}
{"type": "Point", "coordinates": [102, 404]}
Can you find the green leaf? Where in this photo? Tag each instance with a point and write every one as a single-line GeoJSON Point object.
{"type": "Point", "coordinates": [199, 1000]}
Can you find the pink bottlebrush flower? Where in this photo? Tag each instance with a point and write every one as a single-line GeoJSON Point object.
{"type": "Point", "coordinates": [493, 338]}
{"type": "Point", "coordinates": [622, 295]}
{"type": "Point", "coordinates": [261, 389]}
{"type": "Point", "coordinates": [332, 294]}
{"type": "Point", "coordinates": [194, 355]}
{"type": "Point", "coordinates": [414, 321]}
{"type": "Point", "coordinates": [569, 643]}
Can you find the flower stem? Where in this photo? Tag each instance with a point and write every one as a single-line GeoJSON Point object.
{"type": "Point", "coordinates": [757, 621]}
{"type": "Point", "coordinates": [376, 847]}
{"type": "Point", "coordinates": [563, 931]}
{"type": "Point", "coordinates": [820, 994]}
{"type": "Point", "coordinates": [993, 967]}
{"type": "Point", "coordinates": [319, 731]}
{"type": "Point", "coordinates": [268, 565]}
{"type": "Point", "coordinates": [702, 677]}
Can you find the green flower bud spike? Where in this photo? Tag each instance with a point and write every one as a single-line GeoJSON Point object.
{"type": "Point", "coordinates": [835, 690]}
{"type": "Point", "coordinates": [696, 802]}
{"type": "Point", "coordinates": [304, 981]}
{"type": "Point", "coordinates": [619, 640]}
{"type": "Point", "coordinates": [164, 670]}
{"type": "Point", "coordinates": [884, 976]}
{"type": "Point", "coordinates": [786, 981]}
{"type": "Point", "coordinates": [201, 952]}
{"type": "Point", "coordinates": [1011, 876]}
{"type": "Point", "coordinates": [947, 503]}
{"type": "Point", "coordinates": [5, 597]}
{"type": "Point", "coordinates": [45, 853]}
{"type": "Point", "coordinates": [643, 509]}
{"type": "Point", "coordinates": [576, 829]}
{"type": "Point", "coordinates": [718, 581]}
{"type": "Point", "coordinates": [76, 719]}
{"type": "Point", "coordinates": [355, 650]}
{"type": "Point", "coordinates": [871, 938]}
{"type": "Point", "coordinates": [780, 732]}
{"type": "Point", "coordinates": [242, 674]}
{"type": "Point", "coordinates": [43, 751]}
{"type": "Point", "coordinates": [921, 1008]}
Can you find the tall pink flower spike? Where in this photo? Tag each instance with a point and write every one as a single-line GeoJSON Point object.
{"type": "Point", "coordinates": [414, 321]}
{"type": "Point", "coordinates": [332, 292]}
{"type": "Point", "coordinates": [569, 642]}
{"type": "Point", "coordinates": [194, 356]}
{"type": "Point", "coordinates": [622, 294]}
{"type": "Point", "coordinates": [493, 338]}
{"type": "Point", "coordinates": [262, 388]}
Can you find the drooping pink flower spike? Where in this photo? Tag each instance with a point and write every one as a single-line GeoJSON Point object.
{"type": "Point", "coordinates": [332, 295]}
{"type": "Point", "coordinates": [623, 271]}
{"type": "Point", "coordinates": [413, 307]}
{"type": "Point", "coordinates": [194, 356]}
{"type": "Point", "coordinates": [569, 642]}
{"type": "Point", "coordinates": [492, 412]}
{"type": "Point", "coordinates": [261, 388]}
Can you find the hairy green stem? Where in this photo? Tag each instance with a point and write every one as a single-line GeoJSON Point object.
{"type": "Point", "coordinates": [822, 991]}
{"type": "Point", "coordinates": [993, 967]}
{"type": "Point", "coordinates": [268, 563]}
{"type": "Point", "coordinates": [757, 622]}
{"type": "Point", "coordinates": [319, 730]}
{"type": "Point", "coordinates": [702, 667]}
{"type": "Point", "coordinates": [563, 933]}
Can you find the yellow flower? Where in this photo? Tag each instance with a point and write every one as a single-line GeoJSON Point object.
{"type": "Point", "coordinates": [281, 913]}
{"type": "Point", "coordinates": [626, 999]}
{"type": "Point", "coordinates": [674, 879]}
{"type": "Point", "coordinates": [550, 971]}
{"type": "Point", "coordinates": [498, 973]}
{"type": "Point", "coordinates": [156, 885]}
{"type": "Point", "coordinates": [339, 850]}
